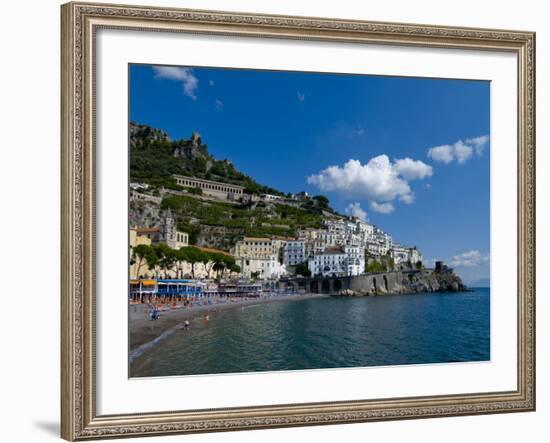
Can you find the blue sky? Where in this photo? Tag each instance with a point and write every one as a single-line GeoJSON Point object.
{"type": "Point", "coordinates": [409, 154]}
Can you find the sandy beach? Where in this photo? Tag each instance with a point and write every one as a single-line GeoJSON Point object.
{"type": "Point", "coordinates": [144, 332]}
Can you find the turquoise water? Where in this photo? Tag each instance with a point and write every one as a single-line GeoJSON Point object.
{"type": "Point", "coordinates": [330, 332]}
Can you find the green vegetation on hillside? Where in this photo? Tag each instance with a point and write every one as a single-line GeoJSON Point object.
{"type": "Point", "coordinates": [258, 221]}
{"type": "Point", "coordinates": [154, 158]}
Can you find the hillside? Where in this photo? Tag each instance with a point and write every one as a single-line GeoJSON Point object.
{"type": "Point", "coordinates": [154, 158]}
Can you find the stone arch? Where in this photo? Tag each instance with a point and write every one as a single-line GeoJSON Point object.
{"type": "Point", "coordinates": [314, 287]}
{"type": "Point", "coordinates": [374, 287]}
{"type": "Point", "coordinates": [337, 284]}
{"type": "Point", "coordinates": [386, 283]}
{"type": "Point", "coordinates": [325, 286]}
{"type": "Point", "coordinates": [291, 286]}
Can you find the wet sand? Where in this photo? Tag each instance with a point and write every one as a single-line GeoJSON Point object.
{"type": "Point", "coordinates": [143, 330]}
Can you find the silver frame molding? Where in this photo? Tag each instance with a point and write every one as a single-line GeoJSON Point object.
{"type": "Point", "coordinates": [79, 22]}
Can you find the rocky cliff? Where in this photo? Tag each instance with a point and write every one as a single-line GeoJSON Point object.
{"type": "Point", "coordinates": [404, 282]}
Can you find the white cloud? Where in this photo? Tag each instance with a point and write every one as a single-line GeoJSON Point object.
{"type": "Point", "coordinates": [411, 169]}
{"type": "Point", "coordinates": [379, 180]}
{"type": "Point", "coordinates": [355, 210]}
{"type": "Point", "coordinates": [461, 151]}
{"type": "Point", "coordinates": [407, 198]}
{"type": "Point", "coordinates": [469, 259]}
{"type": "Point", "coordinates": [382, 208]}
{"type": "Point", "coordinates": [443, 154]}
{"type": "Point", "coordinates": [301, 96]}
{"type": "Point", "coordinates": [219, 104]}
{"type": "Point", "coordinates": [189, 82]}
{"type": "Point", "coordinates": [478, 143]}
{"type": "Point", "coordinates": [211, 82]}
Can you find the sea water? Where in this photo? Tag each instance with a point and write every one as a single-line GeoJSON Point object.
{"type": "Point", "coordinates": [331, 332]}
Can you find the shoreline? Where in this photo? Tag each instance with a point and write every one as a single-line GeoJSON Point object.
{"type": "Point", "coordinates": [145, 333]}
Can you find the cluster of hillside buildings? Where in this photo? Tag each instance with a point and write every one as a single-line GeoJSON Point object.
{"type": "Point", "coordinates": [339, 248]}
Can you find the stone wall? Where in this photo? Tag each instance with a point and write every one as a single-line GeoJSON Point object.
{"type": "Point", "coordinates": [395, 282]}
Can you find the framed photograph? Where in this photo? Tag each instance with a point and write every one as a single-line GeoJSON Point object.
{"type": "Point", "coordinates": [284, 221]}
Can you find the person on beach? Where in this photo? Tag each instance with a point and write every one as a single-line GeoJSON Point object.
{"type": "Point", "coordinates": [154, 314]}
{"type": "Point", "coordinates": [186, 324]}
{"type": "Point", "coordinates": [206, 318]}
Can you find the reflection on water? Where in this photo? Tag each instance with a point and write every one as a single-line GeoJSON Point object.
{"type": "Point", "coordinates": [328, 333]}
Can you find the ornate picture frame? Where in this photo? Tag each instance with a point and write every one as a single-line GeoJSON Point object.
{"type": "Point", "coordinates": [80, 22]}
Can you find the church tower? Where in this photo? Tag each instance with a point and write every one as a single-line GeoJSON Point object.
{"type": "Point", "coordinates": [168, 229]}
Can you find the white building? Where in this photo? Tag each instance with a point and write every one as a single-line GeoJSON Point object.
{"type": "Point", "coordinates": [330, 262]}
{"type": "Point", "coordinates": [254, 247]}
{"type": "Point", "coordinates": [270, 197]}
{"type": "Point", "coordinates": [414, 255]}
{"type": "Point", "coordinates": [308, 234]}
{"type": "Point", "coordinates": [404, 254]}
{"type": "Point", "coordinates": [355, 260]}
{"type": "Point", "coordinates": [261, 268]}
{"type": "Point", "coordinates": [326, 239]}
{"type": "Point", "coordinates": [380, 244]}
{"type": "Point", "coordinates": [260, 247]}
{"type": "Point", "coordinates": [365, 228]}
{"type": "Point", "coordinates": [294, 252]}
{"type": "Point", "coordinates": [400, 254]}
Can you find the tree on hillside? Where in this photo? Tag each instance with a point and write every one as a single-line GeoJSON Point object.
{"type": "Point", "coordinates": [234, 269]}
{"type": "Point", "coordinates": [219, 267]}
{"type": "Point", "coordinates": [375, 267]}
{"type": "Point", "coordinates": [214, 257]}
{"type": "Point", "coordinates": [194, 256]}
{"type": "Point", "coordinates": [389, 262]}
{"type": "Point", "coordinates": [144, 254]}
{"type": "Point", "coordinates": [222, 263]}
{"type": "Point", "coordinates": [166, 257]}
{"type": "Point", "coordinates": [303, 269]}
{"type": "Point", "coordinates": [179, 259]}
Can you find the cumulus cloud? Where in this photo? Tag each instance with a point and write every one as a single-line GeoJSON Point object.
{"type": "Point", "coordinates": [189, 82]}
{"type": "Point", "coordinates": [379, 180]}
{"type": "Point", "coordinates": [355, 210]}
{"type": "Point", "coordinates": [469, 259]}
{"type": "Point", "coordinates": [382, 208]}
{"type": "Point", "coordinates": [478, 143]}
{"type": "Point", "coordinates": [443, 154]}
{"type": "Point", "coordinates": [407, 198]}
{"type": "Point", "coordinates": [301, 96]}
{"type": "Point", "coordinates": [461, 151]}
{"type": "Point", "coordinates": [411, 169]}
